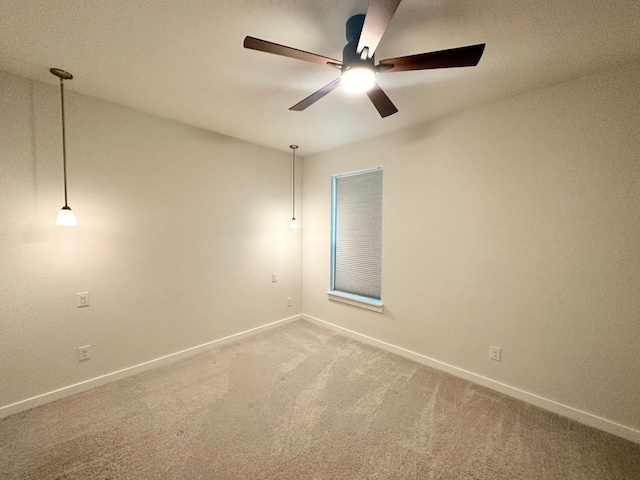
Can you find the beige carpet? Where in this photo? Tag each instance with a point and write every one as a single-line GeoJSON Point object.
{"type": "Point", "coordinates": [301, 402]}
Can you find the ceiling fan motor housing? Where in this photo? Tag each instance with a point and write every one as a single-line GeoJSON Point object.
{"type": "Point", "coordinates": [350, 57]}
{"type": "Point", "coordinates": [354, 27]}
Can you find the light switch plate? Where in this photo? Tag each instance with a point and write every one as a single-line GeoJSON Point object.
{"type": "Point", "coordinates": [84, 353]}
{"type": "Point", "coordinates": [83, 299]}
{"type": "Point", "coordinates": [495, 353]}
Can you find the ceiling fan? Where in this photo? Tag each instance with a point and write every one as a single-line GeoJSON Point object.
{"type": "Point", "coordinates": [358, 68]}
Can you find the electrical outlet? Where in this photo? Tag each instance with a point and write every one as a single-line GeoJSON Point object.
{"type": "Point", "coordinates": [274, 277]}
{"type": "Point", "coordinates": [84, 353]}
{"type": "Point", "coordinates": [289, 301]}
{"type": "Point", "coordinates": [495, 353]}
{"type": "Point", "coordinates": [83, 299]}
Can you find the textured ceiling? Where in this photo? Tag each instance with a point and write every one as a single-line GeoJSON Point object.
{"type": "Point", "coordinates": [183, 59]}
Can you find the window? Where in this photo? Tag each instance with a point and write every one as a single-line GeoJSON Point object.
{"type": "Point", "coordinates": [356, 239]}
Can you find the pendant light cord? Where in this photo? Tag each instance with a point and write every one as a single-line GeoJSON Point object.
{"type": "Point", "coordinates": [64, 143]}
{"type": "Point", "coordinates": [293, 150]}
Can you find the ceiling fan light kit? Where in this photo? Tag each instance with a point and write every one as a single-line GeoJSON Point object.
{"type": "Point", "coordinates": [358, 70]}
{"type": "Point", "coordinates": [357, 79]}
{"type": "Point", "coordinates": [358, 67]}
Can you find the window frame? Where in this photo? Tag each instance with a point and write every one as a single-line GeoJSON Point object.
{"type": "Point", "coordinates": [372, 304]}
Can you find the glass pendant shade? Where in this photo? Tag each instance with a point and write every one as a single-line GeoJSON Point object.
{"type": "Point", "coordinates": [66, 218]}
{"type": "Point", "coordinates": [293, 224]}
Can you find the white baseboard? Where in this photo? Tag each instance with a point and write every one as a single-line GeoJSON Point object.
{"type": "Point", "coordinates": [585, 418]}
{"type": "Point", "coordinates": [59, 393]}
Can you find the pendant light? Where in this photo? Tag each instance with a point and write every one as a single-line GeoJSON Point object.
{"type": "Point", "coordinates": [66, 218]}
{"type": "Point", "coordinates": [294, 223]}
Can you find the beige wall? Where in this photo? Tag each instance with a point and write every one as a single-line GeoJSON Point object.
{"type": "Point", "coordinates": [179, 232]}
{"type": "Point", "coordinates": [515, 224]}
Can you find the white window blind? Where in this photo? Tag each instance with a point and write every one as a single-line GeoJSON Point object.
{"type": "Point", "coordinates": [357, 233]}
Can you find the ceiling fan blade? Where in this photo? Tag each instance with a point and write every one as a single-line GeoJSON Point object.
{"type": "Point", "coordinates": [468, 56]}
{"type": "Point", "coordinates": [376, 20]}
{"type": "Point", "coordinates": [270, 47]}
{"type": "Point", "coordinates": [315, 96]}
{"type": "Point", "coordinates": [382, 103]}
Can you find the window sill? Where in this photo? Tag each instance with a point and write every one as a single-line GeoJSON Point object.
{"type": "Point", "coordinates": [356, 301]}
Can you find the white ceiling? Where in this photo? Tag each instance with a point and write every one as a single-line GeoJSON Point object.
{"type": "Point", "coordinates": [183, 59]}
